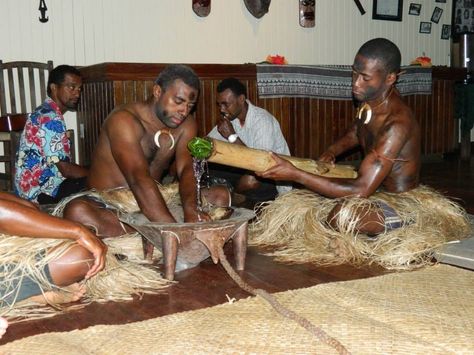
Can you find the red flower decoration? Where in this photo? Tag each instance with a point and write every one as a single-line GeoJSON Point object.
{"type": "Point", "coordinates": [424, 61]}
{"type": "Point", "coordinates": [276, 59]}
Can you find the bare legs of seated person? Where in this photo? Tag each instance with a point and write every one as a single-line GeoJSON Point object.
{"type": "Point", "coordinates": [65, 272]}
{"type": "Point", "coordinates": [371, 223]}
{"type": "Point", "coordinates": [105, 222]}
{"type": "Point", "coordinates": [246, 183]}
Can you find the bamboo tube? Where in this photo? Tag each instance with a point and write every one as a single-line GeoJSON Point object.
{"type": "Point", "coordinates": [240, 156]}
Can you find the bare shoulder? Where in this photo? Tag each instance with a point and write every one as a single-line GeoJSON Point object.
{"type": "Point", "coordinates": [125, 117]}
{"type": "Point", "coordinates": [401, 118]}
{"type": "Point", "coordinates": [188, 128]}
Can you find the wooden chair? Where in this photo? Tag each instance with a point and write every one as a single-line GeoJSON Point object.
{"type": "Point", "coordinates": [22, 89]}
{"type": "Point", "coordinates": [19, 78]}
{"type": "Point", "coordinates": [11, 127]}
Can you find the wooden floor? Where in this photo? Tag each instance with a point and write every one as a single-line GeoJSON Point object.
{"type": "Point", "coordinates": [208, 284]}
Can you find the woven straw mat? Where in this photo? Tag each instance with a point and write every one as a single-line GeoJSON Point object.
{"type": "Point", "coordinates": [429, 311]}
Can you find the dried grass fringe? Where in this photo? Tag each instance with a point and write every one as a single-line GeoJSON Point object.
{"type": "Point", "coordinates": [119, 281]}
{"type": "Point", "coordinates": [294, 225]}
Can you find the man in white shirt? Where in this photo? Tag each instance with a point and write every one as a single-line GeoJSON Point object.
{"type": "Point", "coordinates": [251, 126]}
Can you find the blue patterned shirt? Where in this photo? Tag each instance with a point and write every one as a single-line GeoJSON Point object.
{"type": "Point", "coordinates": [43, 143]}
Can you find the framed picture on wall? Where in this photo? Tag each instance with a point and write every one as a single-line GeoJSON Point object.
{"type": "Point", "coordinates": [463, 16]}
{"type": "Point", "coordinates": [446, 32]}
{"type": "Point", "coordinates": [390, 10]}
{"type": "Point", "coordinates": [425, 27]}
{"type": "Point", "coordinates": [437, 12]}
{"type": "Point", "coordinates": [415, 9]}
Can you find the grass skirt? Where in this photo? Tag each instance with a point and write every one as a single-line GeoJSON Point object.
{"type": "Point", "coordinates": [119, 281]}
{"type": "Point", "coordinates": [295, 226]}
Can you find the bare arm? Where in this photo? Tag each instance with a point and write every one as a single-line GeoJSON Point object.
{"type": "Point", "coordinates": [4, 196]}
{"type": "Point", "coordinates": [71, 170]}
{"type": "Point", "coordinates": [375, 167]}
{"type": "Point", "coordinates": [343, 144]}
{"type": "Point", "coordinates": [22, 220]}
{"type": "Point", "coordinates": [125, 133]}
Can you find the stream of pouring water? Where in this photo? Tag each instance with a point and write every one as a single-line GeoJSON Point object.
{"type": "Point", "coordinates": [199, 168]}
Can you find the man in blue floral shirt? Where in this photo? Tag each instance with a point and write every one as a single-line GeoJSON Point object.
{"type": "Point", "coordinates": [44, 172]}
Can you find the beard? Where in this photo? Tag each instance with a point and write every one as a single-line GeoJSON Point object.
{"type": "Point", "coordinates": [370, 94]}
{"type": "Point", "coordinates": [72, 105]}
{"type": "Point", "coordinates": [165, 117]}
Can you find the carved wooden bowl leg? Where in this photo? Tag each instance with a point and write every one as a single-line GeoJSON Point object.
{"type": "Point", "coordinates": [170, 253]}
{"type": "Point", "coordinates": [240, 246]}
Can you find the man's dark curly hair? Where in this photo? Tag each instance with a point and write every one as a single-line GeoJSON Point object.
{"type": "Point", "coordinates": [175, 72]}
{"type": "Point", "coordinates": [58, 74]}
{"type": "Point", "coordinates": [385, 51]}
{"type": "Point", "coordinates": [234, 85]}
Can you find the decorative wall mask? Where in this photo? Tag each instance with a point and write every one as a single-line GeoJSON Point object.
{"type": "Point", "coordinates": [42, 9]}
{"type": "Point", "coordinates": [257, 8]}
{"type": "Point", "coordinates": [202, 8]}
{"type": "Point", "coordinates": [307, 13]}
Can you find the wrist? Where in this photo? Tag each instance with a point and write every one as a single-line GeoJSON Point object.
{"type": "Point", "coordinates": [77, 232]}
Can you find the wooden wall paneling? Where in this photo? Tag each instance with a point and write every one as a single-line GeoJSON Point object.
{"type": "Point", "coordinates": [419, 106]}
{"type": "Point", "coordinates": [443, 119]}
{"type": "Point", "coordinates": [297, 135]}
{"type": "Point", "coordinates": [331, 118]}
{"type": "Point", "coordinates": [90, 123]}
{"type": "Point", "coordinates": [303, 140]}
{"type": "Point", "coordinates": [430, 124]}
{"type": "Point", "coordinates": [445, 123]}
{"type": "Point", "coordinates": [448, 126]}
{"type": "Point", "coordinates": [309, 125]}
{"type": "Point", "coordinates": [200, 110]}
{"type": "Point", "coordinates": [92, 130]}
{"type": "Point", "coordinates": [96, 103]}
{"type": "Point", "coordinates": [118, 92]}
{"type": "Point", "coordinates": [139, 90]}
{"type": "Point", "coordinates": [129, 90]}
{"type": "Point", "coordinates": [327, 119]}
{"type": "Point", "coordinates": [206, 110]}
{"type": "Point", "coordinates": [451, 122]}
{"type": "Point", "coordinates": [81, 122]}
{"type": "Point", "coordinates": [287, 120]}
{"type": "Point", "coordinates": [95, 128]}
{"type": "Point", "coordinates": [437, 124]}
{"type": "Point", "coordinates": [313, 127]}
{"type": "Point", "coordinates": [284, 117]}
{"type": "Point", "coordinates": [426, 120]}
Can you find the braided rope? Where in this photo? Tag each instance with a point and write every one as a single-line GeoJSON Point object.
{"type": "Point", "coordinates": [305, 323]}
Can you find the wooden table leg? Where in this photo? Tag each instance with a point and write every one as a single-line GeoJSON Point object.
{"type": "Point", "coordinates": [240, 246]}
{"type": "Point", "coordinates": [170, 253]}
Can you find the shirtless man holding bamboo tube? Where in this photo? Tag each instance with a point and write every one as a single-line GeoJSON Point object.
{"type": "Point", "coordinates": [385, 129]}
